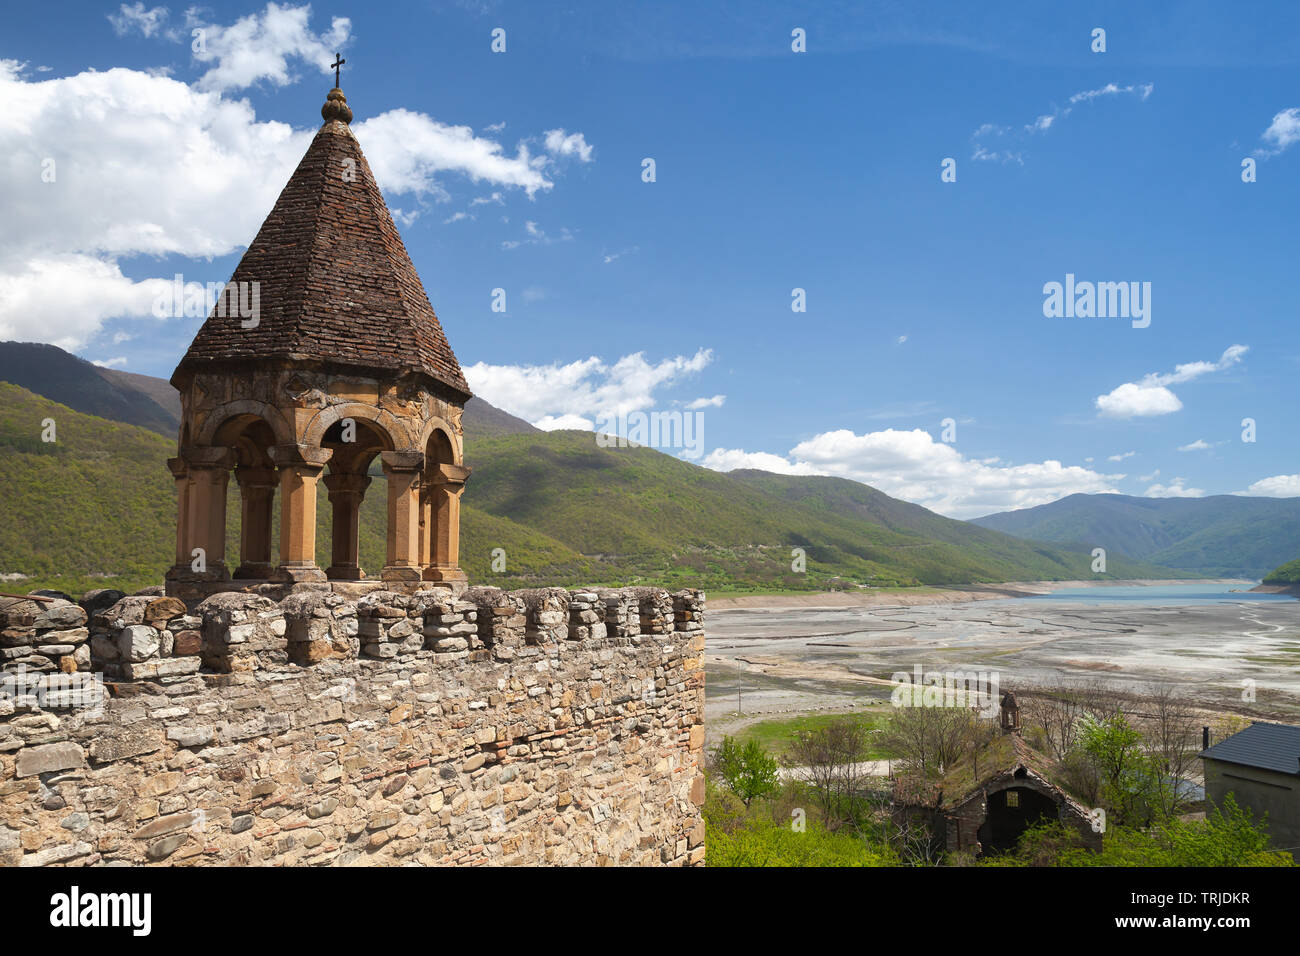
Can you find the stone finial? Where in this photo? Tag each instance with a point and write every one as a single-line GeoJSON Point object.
{"type": "Point", "coordinates": [336, 107]}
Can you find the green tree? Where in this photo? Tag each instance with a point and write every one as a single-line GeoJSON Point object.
{"type": "Point", "coordinates": [1131, 782]}
{"type": "Point", "coordinates": [749, 771]}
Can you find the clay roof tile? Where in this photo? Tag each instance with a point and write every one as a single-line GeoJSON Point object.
{"type": "Point", "coordinates": [334, 279]}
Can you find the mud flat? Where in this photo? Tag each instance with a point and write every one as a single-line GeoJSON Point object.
{"type": "Point", "coordinates": [1218, 647]}
{"type": "Point", "coordinates": [911, 597]}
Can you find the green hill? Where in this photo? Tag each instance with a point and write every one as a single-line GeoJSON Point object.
{"type": "Point", "coordinates": [96, 508]}
{"type": "Point", "coordinates": [1288, 573]}
{"type": "Point", "coordinates": [1222, 535]}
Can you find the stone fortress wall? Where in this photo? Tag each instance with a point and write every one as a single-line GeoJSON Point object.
{"type": "Point", "coordinates": [540, 726]}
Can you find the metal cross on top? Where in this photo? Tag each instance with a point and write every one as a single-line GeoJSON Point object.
{"type": "Point", "coordinates": [338, 62]}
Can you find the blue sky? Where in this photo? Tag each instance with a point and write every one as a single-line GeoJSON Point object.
{"type": "Point", "coordinates": [775, 170]}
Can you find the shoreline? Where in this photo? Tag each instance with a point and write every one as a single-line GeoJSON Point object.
{"type": "Point", "coordinates": [900, 597]}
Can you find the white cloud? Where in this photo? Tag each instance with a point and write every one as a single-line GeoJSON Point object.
{"type": "Point", "coordinates": [550, 423]}
{"type": "Point", "coordinates": [1151, 396]}
{"type": "Point", "coordinates": [1121, 456]}
{"type": "Point", "coordinates": [1278, 486]}
{"type": "Point", "coordinates": [609, 257]}
{"type": "Point", "coordinates": [583, 390]}
{"type": "Point", "coordinates": [715, 402]}
{"type": "Point", "coordinates": [730, 459]}
{"type": "Point", "coordinates": [561, 143]}
{"type": "Point", "coordinates": [135, 17]}
{"type": "Point", "coordinates": [110, 363]}
{"type": "Point", "coordinates": [1151, 477]}
{"type": "Point", "coordinates": [1129, 400]}
{"type": "Point", "coordinates": [1282, 133]}
{"type": "Point", "coordinates": [537, 237]}
{"type": "Point", "coordinates": [911, 465]}
{"type": "Point", "coordinates": [900, 340]}
{"type": "Point", "coordinates": [407, 150]}
{"type": "Point", "coordinates": [260, 47]}
{"type": "Point", "coordinates": [1046, 121]}
{"type": "Point", "coordinates": [145, 165]}
{"type": "Point", "coordinates": [64, 299]}
{"type": "Point", "coordinates": [1005, 156]}
{"type": "Point", "coordinates": [1175, 489]}
{"type": "Point", "coordinates": [1198, 445]}
{"type": "Point", "coordinates": [1141, 90]}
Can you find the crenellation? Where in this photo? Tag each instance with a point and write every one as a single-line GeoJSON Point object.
{"type": "Point", "coordinates": [502, 727]}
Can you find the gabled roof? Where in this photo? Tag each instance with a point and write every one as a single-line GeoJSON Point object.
{"type": "Point", "coordinates": [998, 760]}
{"type": "Point", "coordinates": [335, 281]}
{"type": "Point", "coordinates": [1267, 746]}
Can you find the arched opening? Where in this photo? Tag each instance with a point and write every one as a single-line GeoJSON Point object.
{"type": "Point", "coordinates": [354, 444]}
{"type": "Point", "coordinates": [252, 516]}
{"type": "Point", "coordinates": [433, 505]}
{"type": "Point", "coordinates": [1010, 813]}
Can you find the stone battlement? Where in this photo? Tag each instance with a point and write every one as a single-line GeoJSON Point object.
{"type": "Point", "coordinates": [532, 726]}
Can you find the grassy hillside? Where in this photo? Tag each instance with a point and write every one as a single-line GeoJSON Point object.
{"type": "Point", "coordinates": [119, 396]}
{"type": "Point", "coordinates": [96, 508]}
{"type": "Point", "coordinates": [97, 501]}
{"type": "Point", "coordinates": [1214, 536]}
{"type": "Point", "coordinates": [1288, 573]}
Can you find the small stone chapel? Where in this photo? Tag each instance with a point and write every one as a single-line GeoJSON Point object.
{"type": "Point", "coordinates": [342, 361]}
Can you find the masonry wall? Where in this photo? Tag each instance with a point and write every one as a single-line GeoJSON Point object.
{"type": "Point", "coordinates": [1261, 792]}
{"type": "Point", "coordinates": [526, 727]}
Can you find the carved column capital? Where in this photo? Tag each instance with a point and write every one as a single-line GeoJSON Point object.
{"type": "Point", "coordinates": [448, 474]}
{"type": "Point", "coordinates": [300, 456]}
{"type": "Point", "coordinates": [346, 483]}
{"type": "Point", "coordinates": [207, 458]}
{"type": "Point", "coordinates": [401, 461]}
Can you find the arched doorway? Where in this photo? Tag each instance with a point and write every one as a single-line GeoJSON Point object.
{"type": "Point", "coordinates": [1009, 813]}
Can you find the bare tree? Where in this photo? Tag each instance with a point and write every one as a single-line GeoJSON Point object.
{"type": "Point", "coordinates": [928, 739]}
{"type": "Point", "coordinates": [829, 761]}
{"type": "Point", "coordinates": [1171, 732]}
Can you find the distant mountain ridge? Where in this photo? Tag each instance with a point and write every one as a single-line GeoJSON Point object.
{"type": "Point", "coordinates": [565, 511]}
{"type": "Point", "coordinates": [48, 370]}
{"type": "Point", "coordinates": [1216, 536]}
{"type": "Point", "coordinates": [151, 402]}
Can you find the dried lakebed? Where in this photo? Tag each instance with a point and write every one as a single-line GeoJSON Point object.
{"type": "Point", "coordinates": [1203, 638]}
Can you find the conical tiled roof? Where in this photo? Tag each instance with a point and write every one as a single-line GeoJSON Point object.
{"type": "Point", "coordinates": [336, 283]}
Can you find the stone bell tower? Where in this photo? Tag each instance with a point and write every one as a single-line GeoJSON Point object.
{"type": "Point", "coordinates": [322, 355]}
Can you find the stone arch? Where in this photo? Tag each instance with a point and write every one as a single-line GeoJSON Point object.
{"type": "Point", "coordinates": [441, 482]}
{"type": "Point", "coordinates": [394, 430]}
{"type": "Point", "coordinates": [439, 424]}
{"type": "Point", "coordinates": [223, 414]}
{"type": "Point", "coordinates": [243, 428]}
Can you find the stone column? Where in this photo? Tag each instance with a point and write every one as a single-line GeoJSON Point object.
{"type": "Point", "coordinates": [205, 511]}
{"type": "Point", "coordinates": [426, 520]}
{"type": "Point", "coordinates": [447, 483]}
{"type": "Point", "coordinates": [181, 472]}
{"type": "Point", "coordinates": [402, 468]}
{"type": "Point", "coordinates": [257, 493]}
{"type": "Point", "coordinates": [300, 466]}
{"type": "Point", "coordinates": [346, 492]}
